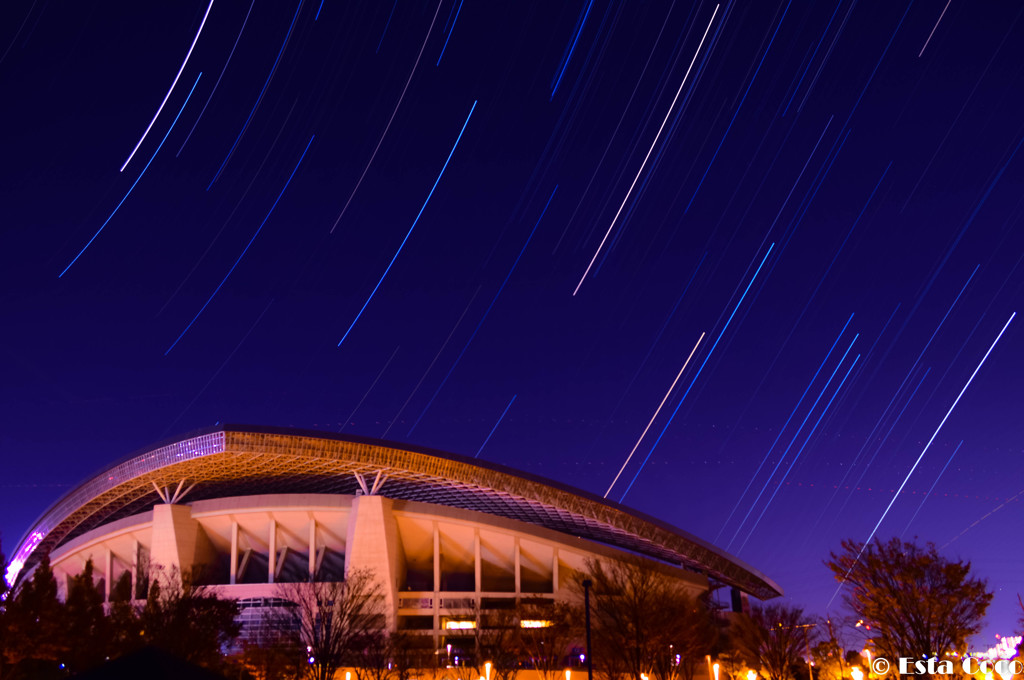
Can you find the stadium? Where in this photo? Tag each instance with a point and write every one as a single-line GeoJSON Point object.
{"type": "Point", "coordinates": [258, 507]}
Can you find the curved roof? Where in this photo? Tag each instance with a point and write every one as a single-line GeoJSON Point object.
{"type": "Point", "coordinates": [234, 460]}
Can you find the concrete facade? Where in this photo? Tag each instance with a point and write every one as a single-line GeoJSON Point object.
{"type": "Point", "coordinates": [436, 564]}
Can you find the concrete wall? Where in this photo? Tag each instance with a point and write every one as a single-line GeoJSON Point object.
{"type": "Point", "coordinates": [436, 564]}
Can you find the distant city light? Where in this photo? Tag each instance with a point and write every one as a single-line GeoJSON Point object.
{"type": "Point", "coordinates": [1006, 648]}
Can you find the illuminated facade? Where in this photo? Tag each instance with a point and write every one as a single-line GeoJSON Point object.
{"type": "Point", "coordinates": [257, 507]}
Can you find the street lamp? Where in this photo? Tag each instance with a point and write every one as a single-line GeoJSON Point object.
{"type": "Point", "coordinates": [857, 673]}
{"type": "Point", "coordinates": [587, 583]}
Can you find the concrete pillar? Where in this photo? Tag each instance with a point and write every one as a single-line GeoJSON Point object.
{"type": "Point", "coordinates": [175, 539]}
{"type": "Point", "coordinates": [312, 548]}
{"type": "Point", "coordinates": [554, 572]}
{"type": "Point", "coordinates": [437, 560]}
{"type": "Point", "coordinates": [437, 580]}
{"type": "Point", "coordinates": [135, 571]}
{"type": "Point", "coordinates": [233, 569]}
{"type": "Point", "coordinates": [476, 564]}
{"type": "Point", "coordinates": [108, 569]}
{"type": "Point", "coordinates": [272, 557]}
{"type": "Point", "coordinates": [515, 551]}
{"type": "Point", "coordinates": [373, 544]}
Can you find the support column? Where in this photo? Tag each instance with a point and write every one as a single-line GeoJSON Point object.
{"type": "Point", "coordinates": [233, 573]}
{"type": "Point", "coordinates": [135, 571]}
{"type": "Point", "coordinates": [437, 560]}
{"type": "Point", "coordinates": [109, 569]}
{"type": "Point", "coordinates": [312, 548]}
{"type": "Point", "coordinates": [477, 580]}
{"type": "Point", "coordinates": [519, 581]}
{"type": "Point", "coordinates": [373, 545]}
{"type": "Point", "coordinates": [175, 540]}
{"type": "Point", "coordinates": [272, 558]}
{"type": "Point", "coordinates": [437, 580]}
{"type": "Point", "coordinates": [554, 572]}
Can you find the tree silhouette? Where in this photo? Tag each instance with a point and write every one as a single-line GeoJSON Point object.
{"type": "Point", "coordinates": [85, 625]}
{"type": "Point", "coordinates": [546, 646]}
{"type": "Point", "coordinates": [333, 620]}
{"type": "Point", "coordinates": [643, 617]}
{"type": "Point", "coordinates": [916, 602]}
{"type": "Point", "coordinates": [189, 621]}
{"type": "Point", "coordinates": [772, 639]}
{"type": "Point", "coordinates": [35, 625]}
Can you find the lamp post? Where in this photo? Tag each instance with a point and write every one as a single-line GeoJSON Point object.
{"type": "Point", "coordinates": [807, 639]}
{"type": "Point", "coordinates": [587, 583]}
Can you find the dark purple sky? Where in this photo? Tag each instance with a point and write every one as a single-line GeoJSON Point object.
{"type": "Point", "coordinates": [818, 161]}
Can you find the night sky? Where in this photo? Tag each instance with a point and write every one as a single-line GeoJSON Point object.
{"type": "Point", "coordinates": [372, 217]}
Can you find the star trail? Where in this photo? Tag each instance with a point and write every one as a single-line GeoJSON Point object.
{"type": "Point", "coordinates": [500, 229]}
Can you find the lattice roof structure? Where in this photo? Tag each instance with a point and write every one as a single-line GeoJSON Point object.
{"type": "Point", "coordinates": [233, 460]}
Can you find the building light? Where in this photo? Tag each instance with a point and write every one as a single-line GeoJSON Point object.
{"type": "Point", "coordinates": [459, 625]}
{"type": "Point", "coordinates": [534, 623]}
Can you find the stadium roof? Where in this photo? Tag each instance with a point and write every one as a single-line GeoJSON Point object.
{"type": "Point", "coordinates": [233, 460]}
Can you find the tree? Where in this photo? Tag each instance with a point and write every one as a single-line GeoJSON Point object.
{"type": "Point", "coordinates": [373, 660]}
{"type": "Point", "coordinates": [125, 626]}
{"type": "Point", "coordinates": [547, 644]}
{"type": "Point", "coordinates": [188, 621]}
{"type": "Point", "coordinates": [1019, 601]}
{"type": "Point", "coordinates": [85, 625]}
{"type": "Point", "coordinates": [772, 639]}
{"type": "Point", "coordinates": [833, 656]}
{"type": "Point", "coordinates": [333, 620]}
{"type": "Point", "coordinates": [496, 641]}
{"type": "Point", "coordinates": [35, 620]}
{"type": "Point", "coordinates": [916, 602]}
{"type": "Point", "coordinates": [828, 659]}
{"type": "Point", "coordinates": [270, 653]}
{"type": "Point", "coordinates": [642, 618]}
